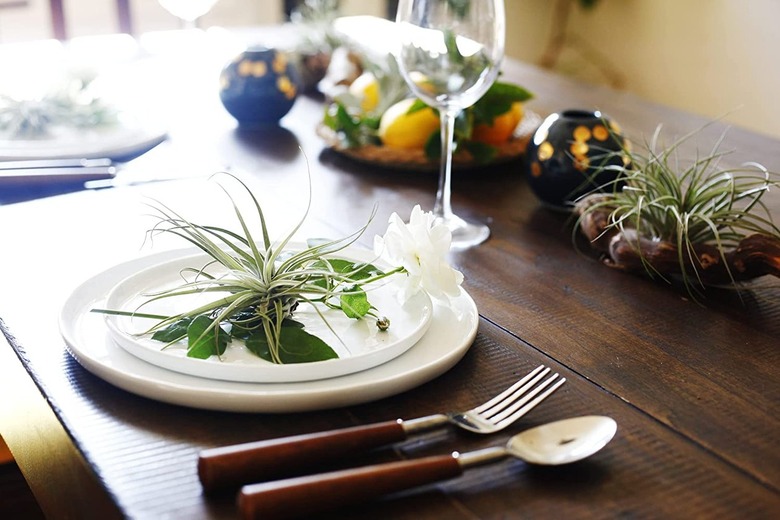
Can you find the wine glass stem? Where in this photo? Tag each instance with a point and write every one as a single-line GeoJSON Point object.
{"type": "Point", "coordinates": [443, 209]}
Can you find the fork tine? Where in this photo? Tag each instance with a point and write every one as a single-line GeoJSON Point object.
{"type": "Point", "coordinates": [517, 394]}
{"type": "Point", "coordinates": [503, 395]}
{"type": "Point", "coordinates": [519, 398]}
{"type": "Point", "coordinates": [507, 417]}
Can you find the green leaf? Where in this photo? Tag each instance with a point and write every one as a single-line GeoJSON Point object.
{"type": "Point", "coordinates": [257, 343]}
{"type": "Point", "coordinates": [416, 106]}
{"type": "Point", "coordinates": [356, 270]}
{"type": "Point", "coordinates": [461, 7]}
{"type": "Point", "coordinates": [244, 322]}
{"type": "Point", "coordinates": [464, 123]}
{"type": "Point", "coordinates": [482, 153]}
{"type": "Point", "coordinates": [355, 303]}
{"type": "Point", "coordinates": [450, 41]}
{"type": "Point", "coordinates": [204, 342]}
{"type": "Point", "coordinates": [506, 92]}
{"type": "Point", "coordinates": [496, 101]}
{"type": "Point", "coordinates": [297, 345]}
{"type": "Point", "coordinates": [433, 147]}
{"type": "Point", "coordinates": [173, 332]}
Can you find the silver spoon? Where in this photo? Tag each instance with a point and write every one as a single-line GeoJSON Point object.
{"type": "Point", "coordinates": [559, 442]}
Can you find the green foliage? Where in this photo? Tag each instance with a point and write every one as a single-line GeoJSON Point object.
{"type": "Point", "coordinates": [206, 338]}
{"type": "Point", "coordinates": [259, 286]}
{"type": "Point", "coordinates": [75, 105]}
{"type": "Point", "coordinates": [687, 203]}
{"type": "Point", "coordinates": [298, 345]}
{"type": "Point", "coordinates": [355, 128]}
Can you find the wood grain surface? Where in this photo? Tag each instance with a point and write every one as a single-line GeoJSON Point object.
{"type": "Point", "coordinates": [694, 387]}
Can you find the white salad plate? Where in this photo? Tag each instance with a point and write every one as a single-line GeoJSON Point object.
{"type": "Point", "coordinates": [451, 332]}
{"type": "Point", "coordinates": [116, 141]}
{"type": "Point", "coordinates": [359, 344]}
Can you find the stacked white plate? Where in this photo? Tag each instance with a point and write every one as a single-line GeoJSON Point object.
{"type": "Point", "coordinates": [425, 339]}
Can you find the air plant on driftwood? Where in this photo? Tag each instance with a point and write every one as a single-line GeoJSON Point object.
{"type": "Point", "coordinates": [694, 221]}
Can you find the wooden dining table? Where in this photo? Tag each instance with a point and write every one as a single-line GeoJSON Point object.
{"type": "Point", "coordinates": [693, 384]}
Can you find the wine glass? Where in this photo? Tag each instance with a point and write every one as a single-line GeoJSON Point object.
{"type": "Point", "coordinates": [450, 55]}
{"type": "Point", "coordinates": [188, 11]}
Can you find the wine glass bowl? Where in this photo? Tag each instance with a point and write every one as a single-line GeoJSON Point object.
{"type": "Point", "coordinates": [188, 11]}
{"type": "Point", "coordinates": [450, 55]}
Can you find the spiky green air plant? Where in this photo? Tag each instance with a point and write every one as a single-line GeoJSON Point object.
{"type": "Point", "coordinates": [74, 105]}
{"type": "Point", "coordinates": [695, 220]}
{"type": "Point", "coordinates": [258, 286]}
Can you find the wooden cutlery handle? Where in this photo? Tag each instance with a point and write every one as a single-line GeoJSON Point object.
{"type": "Point", "coordinates": [315, 493]}
{"type": "Point", "coordinates": [230, 467]}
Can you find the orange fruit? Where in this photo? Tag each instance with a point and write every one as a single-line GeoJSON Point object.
{"type": "Point", "coordinates": [400, 129]}
{"type": "Point", "coordinates": [502, 128]}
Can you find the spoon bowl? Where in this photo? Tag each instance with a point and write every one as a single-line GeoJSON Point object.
{"type": "Point", "coordinates": [562, 442]}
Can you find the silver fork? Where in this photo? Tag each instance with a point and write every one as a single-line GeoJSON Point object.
{"type": "Point", "coordinates": [232, 466]}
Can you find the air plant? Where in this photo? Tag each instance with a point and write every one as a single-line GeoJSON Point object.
{"type": "Point", "coordinates": [258, 283]}
{"type": "Point", "coordinates": [694, 220]}
{"type": "Point", "coordinates": [75, 104]}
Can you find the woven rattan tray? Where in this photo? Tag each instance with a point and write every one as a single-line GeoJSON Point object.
{"type": "Point", "coordinates": [416, 159]}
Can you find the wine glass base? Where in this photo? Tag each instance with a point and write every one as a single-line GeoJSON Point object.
{"type": "Point", "coordinates": [465, 234]}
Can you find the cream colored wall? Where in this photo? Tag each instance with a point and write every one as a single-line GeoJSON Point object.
{"type": "Point", "coordinates": [711, 57]}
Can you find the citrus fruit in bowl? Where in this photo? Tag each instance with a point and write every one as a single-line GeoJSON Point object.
{"type": "Point", "coordinates": [501, 129]}
{"type": "Point", "coordinates": [403, 127]}
{"type": "Point", "coordinates": [366, 89]}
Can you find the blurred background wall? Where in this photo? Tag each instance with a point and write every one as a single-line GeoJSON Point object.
{"type": "Point", "coordinates": [711, 57]}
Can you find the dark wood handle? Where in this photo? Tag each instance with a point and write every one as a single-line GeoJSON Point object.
{"type": "Point", "coordinates": [230, 467]}
{"type": "Point", "coordinates": [315, 493]}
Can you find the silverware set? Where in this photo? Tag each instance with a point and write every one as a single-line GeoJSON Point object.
{"type": "Point", "coordinates": [281, 477]}
{"type": "Point", "coordinates": [55, 171]}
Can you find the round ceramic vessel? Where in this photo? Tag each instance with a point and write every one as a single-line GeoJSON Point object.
{"type": "Point", "coordinates": [259, 87]}
{"type": "Point", "coordinates": [568, 153]}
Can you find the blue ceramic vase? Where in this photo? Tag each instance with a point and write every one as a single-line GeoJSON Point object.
{"type": "Point", "coordinates": [567, 153]}
{"type": "Point", "coordinates": [259, 87]}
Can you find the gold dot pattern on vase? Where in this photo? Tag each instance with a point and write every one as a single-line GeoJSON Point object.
{"type": "Point", "coordinates": [581, 133]}
{"type": "Point", "coordinates": [536, 169]}
{"type": "Point", "coordinates": [579, 149]}
{"type": "Point", "coordinates": [600, 133]}
{"type": "Point", "coordinates": [545, 151]}
{"type": "Point", "coordinates": [280, 63]}
{"type": "Point", "coordinates": [581, 163]}
{"type": "Point", "coordinates": [258, 69]}
{"type": "Point", "coordinates": [286, 87]}
{"type": "Point", "coordinates": [615, 127]}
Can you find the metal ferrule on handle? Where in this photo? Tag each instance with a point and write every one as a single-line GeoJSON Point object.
{"type": "Point", "coordinates": [480, 457]}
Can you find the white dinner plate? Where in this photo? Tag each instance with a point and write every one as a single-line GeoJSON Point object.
{"type": "Point", "coordinates": [450, 334]}
{"type": "Point", "coordinates": [359, 344]}
{"type": "Point", "coordinates": [117, 141]}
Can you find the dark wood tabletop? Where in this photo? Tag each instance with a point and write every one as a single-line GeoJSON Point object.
{"type": "Point", "coordinates": [693, 386]}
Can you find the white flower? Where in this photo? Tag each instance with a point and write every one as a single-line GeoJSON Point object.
{"type": "Point", "coordinates": [420, 247]}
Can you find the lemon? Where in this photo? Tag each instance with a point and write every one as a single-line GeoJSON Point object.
{"type": "Point", "coordinates": [400, 129]}
{"type": "Point", "coordinates": [366, 88]}
{"type": "Point", "coordinates": [502, 128]}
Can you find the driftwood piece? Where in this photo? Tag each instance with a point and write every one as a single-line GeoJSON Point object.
{"type": "Point", "coordinates": [756, 255]}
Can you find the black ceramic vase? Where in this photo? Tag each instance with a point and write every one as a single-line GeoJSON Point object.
{"type": "Point", "coordinates": [259, 87]}
{"type": "Point", "coordinates": [567, 154]}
